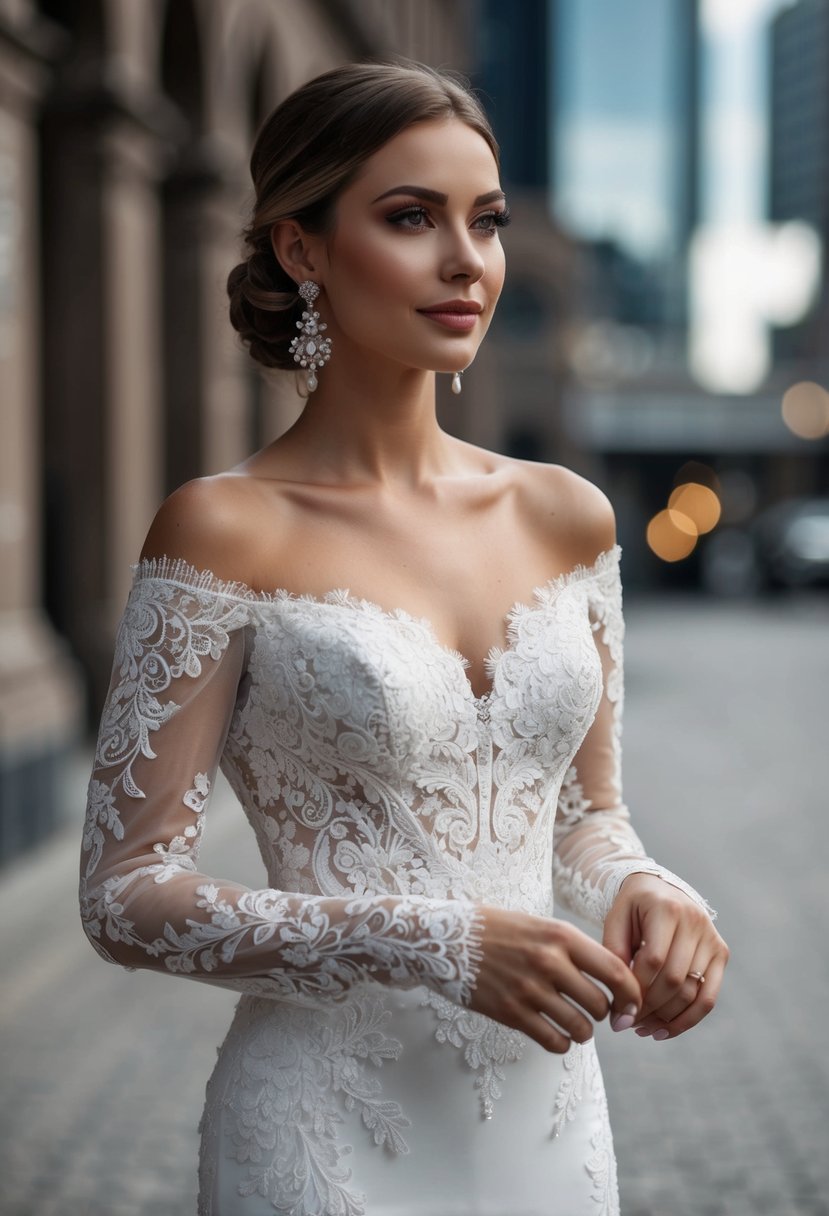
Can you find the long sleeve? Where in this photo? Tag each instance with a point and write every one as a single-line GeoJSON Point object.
{"type": "Point", "coordinates": [595, 845]}
{"type": "Point", "coordinates": [180, 655]}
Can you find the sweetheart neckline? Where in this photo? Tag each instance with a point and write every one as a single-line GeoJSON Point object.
{"type": "Point", "coordinates": [183, 573]}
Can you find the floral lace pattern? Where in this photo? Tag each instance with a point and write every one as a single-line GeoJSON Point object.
{"type": "Point", "coordinates": [583, 1079]}
{"type": "Point", "coordinates": [389, 803]}
{"type": "Point", "coordinates": [285, 1083]}
{"type": "Point", "coordinates": [487, 1046]}
{"type": "Point", "coordinates": [601, 1164]}
{"type": "Point", "coordinates": [571, 1089]}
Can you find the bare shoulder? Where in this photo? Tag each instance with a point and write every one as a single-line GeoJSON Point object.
{"type": "Point", "coordinates": [211, 523]}
{"type": "Point", "coordinates": [575, 517]}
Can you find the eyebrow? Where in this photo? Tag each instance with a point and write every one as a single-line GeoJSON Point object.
{"type": "Point", "coordinates": [434, 196]}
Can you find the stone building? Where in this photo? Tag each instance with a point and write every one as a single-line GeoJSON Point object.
{"type": "Point", "coordinates": [125, 130]}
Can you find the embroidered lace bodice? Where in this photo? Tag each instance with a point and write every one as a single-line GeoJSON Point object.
{"type": "Point", "coordinates": [389, 802]}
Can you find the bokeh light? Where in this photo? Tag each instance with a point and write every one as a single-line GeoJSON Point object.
{"type": "Point", "coordinates": [789, 278]}
{"type": "Point", "coordinates": [805, 410]}
{"type": "Point", "coordinates": [671, 535]}
{"type": "Point", "coordinates": [703, 474]}
{"type": "Point", "coordinates": [699, 503]}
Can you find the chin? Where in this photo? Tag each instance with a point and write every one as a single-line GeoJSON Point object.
{"type": "Point", "coordinates": [449, 361]}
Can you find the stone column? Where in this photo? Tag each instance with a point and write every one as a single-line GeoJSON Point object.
{"type": "Point", "coordinates": [132, 326]}
{"type": "Point", "coordinates": [103, 150]}
{"type": "Point", "coordinates": [228, 394]}
{"type": "Point", "coordinates": [207, 407]}
{"type": "Point", "coordinates": [40, 686]}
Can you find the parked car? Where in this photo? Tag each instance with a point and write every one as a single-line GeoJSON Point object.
{"type": "Point", "coordinates": [787, 545]}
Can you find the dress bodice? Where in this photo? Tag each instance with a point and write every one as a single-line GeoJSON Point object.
{"type": "Point", "coordinates": [390, 803]}
{"type": "Point", "coordinates": [366, 763]}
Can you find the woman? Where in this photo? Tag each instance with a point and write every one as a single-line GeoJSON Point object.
{"type": "Point", "coordinates": [415, 1031]}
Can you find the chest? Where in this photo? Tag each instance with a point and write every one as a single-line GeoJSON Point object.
{"type": "Point", "coordinates": [463, 579]}
{"type": "Point", "coordinates": [343, 681]}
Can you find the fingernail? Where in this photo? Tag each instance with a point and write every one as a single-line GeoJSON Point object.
{"type": "Point", "coordinates": [624, 1020]}
{"type": "Point", "coordinates": [643, 1032]}
{"type": "Point", "coordinates": [661, 1034]}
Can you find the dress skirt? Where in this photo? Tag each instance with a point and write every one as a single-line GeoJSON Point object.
{"type": "Point", "coordinates": [361, 1108]}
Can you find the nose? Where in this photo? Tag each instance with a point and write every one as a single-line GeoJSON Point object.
{"type": "Point", "coordinates": [461, 258]}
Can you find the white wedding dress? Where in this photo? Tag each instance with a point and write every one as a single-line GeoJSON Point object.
{"type": "Point", "coordinates": [388, 802]}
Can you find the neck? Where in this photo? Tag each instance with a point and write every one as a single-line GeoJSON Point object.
{"type": "Point", "coordinates": [370, 421]}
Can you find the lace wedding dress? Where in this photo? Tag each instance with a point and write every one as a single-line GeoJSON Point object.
{"type": "Point", "coordinates": [388, 802]}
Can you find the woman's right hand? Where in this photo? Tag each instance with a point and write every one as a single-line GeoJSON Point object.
{"type": "Point", "coordinates": [534, 969]}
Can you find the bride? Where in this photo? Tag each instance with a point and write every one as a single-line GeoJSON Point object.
{"type": "Point", "coordinates": [406, 654]}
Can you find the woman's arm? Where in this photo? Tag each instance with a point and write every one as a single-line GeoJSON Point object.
{"type": "Point", "coordinates": [180, 655]}
{"type": "Point", "coordinates": [178, 661]}
{"type": "Point", "coordinates": [652, 918]}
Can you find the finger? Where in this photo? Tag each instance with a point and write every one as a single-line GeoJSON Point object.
{"type": "Point", "coordinates": [705, 1001]}
{"type": "Point", "coordinates": [671, 987]}
{"type": "Point", "coordinates": [620, 936]}
{"type": "Point", "coordinates": [601, 965]}
{"type": "Point", "coordinates": [537, 1027]}
{"type": "Point", "coordinates": [693, 1014]}
{"type": "Point", "coordinates": [581, 990]}
{"type": "Point", "coordinates": [650, 1026]}
{"type": "Point", "coordinates": [570, 1020]}
{"type": "Point", "coordinates": [662, 946]}
{"type": "Point", "coordinates": [689, 991]}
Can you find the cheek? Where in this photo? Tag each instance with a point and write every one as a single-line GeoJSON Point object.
{"type": "Point", "coordinates": [379, 269]}
{"type": "Point", "coordinates": [496, 270]}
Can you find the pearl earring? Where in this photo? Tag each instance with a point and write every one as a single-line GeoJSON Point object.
{"type": "Point", "coordinates": [456, 382]}
{"type": "Point", "coordinates": [310, 350]}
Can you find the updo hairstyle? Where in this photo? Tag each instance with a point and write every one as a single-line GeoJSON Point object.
{"type": "Point", "coordinates": [306, 153]}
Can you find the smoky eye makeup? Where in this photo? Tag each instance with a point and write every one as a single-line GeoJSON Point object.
{"type": "Point", "coordinates": [500, 219]}
{"type": "Point", "coordinates": [414, 211]}
{"type": "Point", "coordinates": [416, 217]}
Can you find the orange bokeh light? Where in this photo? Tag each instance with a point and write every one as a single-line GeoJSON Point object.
{"type": "Point", "coordinates": [671, 535]}
{"type": "Point", "coordinates": [699, 503]}
{"type": "Point", "coordinates": [805, 410]}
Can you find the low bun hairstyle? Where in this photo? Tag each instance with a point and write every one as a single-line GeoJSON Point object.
{"type": "Point", "coordinates": [306, 153]}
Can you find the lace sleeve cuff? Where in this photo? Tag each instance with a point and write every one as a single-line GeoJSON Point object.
{"type": "Point", "coordinates": [647, 865]}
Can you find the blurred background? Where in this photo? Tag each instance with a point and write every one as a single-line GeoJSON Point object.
{"type": "Point", "coordinates": [664, 331]}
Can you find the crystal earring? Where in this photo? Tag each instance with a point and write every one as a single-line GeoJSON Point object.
{"type": "Point", "coordinates": [456, 382]}
{"type": "Point", "coordinates": [310, 350]}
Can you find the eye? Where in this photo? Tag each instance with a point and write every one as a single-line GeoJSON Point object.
{"type": "Point", "coordinates": [492, 220]}
{"type": "Point", "coordinates": [414, 219]}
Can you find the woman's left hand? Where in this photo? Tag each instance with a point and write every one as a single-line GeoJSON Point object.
{"type": "Point", "coordinates": [669, 941]}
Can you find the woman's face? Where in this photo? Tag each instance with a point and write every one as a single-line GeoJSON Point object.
{"type": "Point", "coordinates": [414, 264]}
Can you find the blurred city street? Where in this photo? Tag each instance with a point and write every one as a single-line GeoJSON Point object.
{"type": "Point", "coordinates": [725, 761]}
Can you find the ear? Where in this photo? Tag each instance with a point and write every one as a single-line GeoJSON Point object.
{"type": "Point", "coordinates": [298, 252]}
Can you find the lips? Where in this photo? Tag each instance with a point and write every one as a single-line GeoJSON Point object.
{"type": "Point", "coordinates": [454, 314]}
{"type": "Point", "coordinates": [458, 306]}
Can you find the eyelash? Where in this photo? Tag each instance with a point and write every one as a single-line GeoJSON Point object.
{"type": "Point", "coordinates": [499, 219]}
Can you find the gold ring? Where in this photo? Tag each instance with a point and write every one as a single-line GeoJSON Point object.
{"type": "Point", "coordinates": [696, 975]}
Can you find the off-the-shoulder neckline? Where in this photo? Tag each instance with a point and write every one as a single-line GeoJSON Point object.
{"type": "Point", "coordinates": [180, 571]}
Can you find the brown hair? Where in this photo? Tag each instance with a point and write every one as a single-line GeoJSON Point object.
{"type": "Point", "coordinates": [306, 153]}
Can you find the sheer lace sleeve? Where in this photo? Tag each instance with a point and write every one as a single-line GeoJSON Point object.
{"type": "Point", "coordinates": [180, 654]}
{"type": "Point", "coordinates": [596, 847]}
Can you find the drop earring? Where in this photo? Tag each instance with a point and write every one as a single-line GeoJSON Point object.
{"type": "Point", "coordinates": [456, 382]}
{"type": "Point", "coordinates": [310, 350]}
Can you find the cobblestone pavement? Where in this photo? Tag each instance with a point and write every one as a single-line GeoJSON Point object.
{"type": "Point", "coordinates": [726, 772]}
